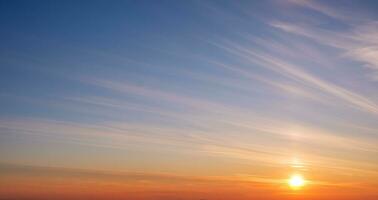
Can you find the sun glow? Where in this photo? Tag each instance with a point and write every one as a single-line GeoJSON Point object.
{"type": "Point", "coordinates": [296, 181]}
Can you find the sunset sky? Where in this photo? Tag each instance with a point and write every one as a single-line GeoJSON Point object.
{"type": "Point", "coordinates": [189, 100]}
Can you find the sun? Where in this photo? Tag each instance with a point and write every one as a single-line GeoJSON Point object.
{"type": "Point", "coordinates": [296, 181]}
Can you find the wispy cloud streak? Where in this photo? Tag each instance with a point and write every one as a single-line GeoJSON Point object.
{"type": "Point", "coordinates": [298, 74]}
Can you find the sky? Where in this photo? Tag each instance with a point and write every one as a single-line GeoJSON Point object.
{"type": "Point", "coordinates": [149, 100]}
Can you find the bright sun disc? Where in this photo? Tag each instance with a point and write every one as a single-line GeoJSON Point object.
{"type": "Point", "coordinates": [296, 181]}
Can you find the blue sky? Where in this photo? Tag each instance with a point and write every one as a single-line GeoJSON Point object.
{"type": "Point", "coordinates": [139, 85]}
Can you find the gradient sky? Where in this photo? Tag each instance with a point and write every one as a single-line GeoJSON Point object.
{"type": "Point", "coordinates": [188, 99]}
